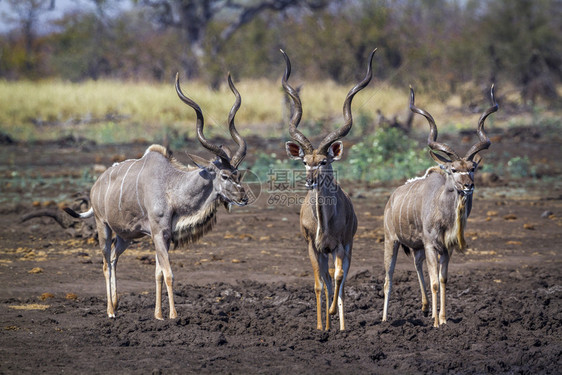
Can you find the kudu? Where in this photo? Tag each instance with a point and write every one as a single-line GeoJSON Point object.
{"type": "Point", "coordinates": [158, 196]}
{"type": "Point", "coordinates": [428, 214]}
{"type": "Point", "coordinates": [327, 219]}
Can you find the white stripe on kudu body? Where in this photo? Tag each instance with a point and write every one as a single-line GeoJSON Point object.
{"type": "Point", "coordinates": [123, 182]}
{"type": "Point", "coordinates": [137, 184]}
{"type": "Point", "coordinates": [432, 222]}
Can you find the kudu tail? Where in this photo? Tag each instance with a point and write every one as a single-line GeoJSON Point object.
{"type": "Point", "coordinates": [83, 215]}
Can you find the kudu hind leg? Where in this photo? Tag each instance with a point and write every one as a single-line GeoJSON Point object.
{"type": "Point", "coordinates": [104, 237]}
{"type": "Point", "coordinates": [433, 270]}
{"type": "Point", "coordinates": [326, 279]}
{"type": "Point", "coordinates": [119, 247]}
{"type": "Point", "coordinates": [419, 257]}
{"type": "Point", "coordinates": [390, 255]}
{"type": "Point", "coordinates": [158, 277]}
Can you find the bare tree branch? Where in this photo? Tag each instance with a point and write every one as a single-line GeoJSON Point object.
{"type": "Point", "coordinates": [193, 17]}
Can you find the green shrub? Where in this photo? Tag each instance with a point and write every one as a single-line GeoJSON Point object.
{"type": "Point", "coordinates": [519, 167]}
{"type": "Point", "coordinates": [386, 155]}
{"type": "Point", "coordinates": [516, 167]}
{"type": "Point", "coordinates": [266, 163]}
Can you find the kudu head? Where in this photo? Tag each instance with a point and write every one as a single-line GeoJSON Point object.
{"type": "Point", "coordinates": [223, 169]}
{"type": "Point", "coordinates": [460, 170]}
{"type": "Point", "coordinates": [318, 162]}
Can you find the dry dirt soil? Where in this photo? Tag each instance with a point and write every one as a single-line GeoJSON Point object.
{"type": "Point", "coordinates": [244, 293]}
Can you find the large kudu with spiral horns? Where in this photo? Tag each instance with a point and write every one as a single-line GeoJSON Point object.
{"type": "Point", "coordinates": [327, 218]}
{"type": "Point", "coordinates": [159, 197]}
{"type": "Point", "coordinates": [428, 214]}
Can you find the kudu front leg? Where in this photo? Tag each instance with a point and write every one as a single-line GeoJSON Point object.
{"type": "Point", "coordinates": [163, 274]}
{"type": "Point", "coordinates": [322, 281]}
{"type": "Point", "coordinates": [342, 260]}
{"type": "Point", "coordinates": [443, 268]}
{"type": "Point", "coordinates": [433, 270]}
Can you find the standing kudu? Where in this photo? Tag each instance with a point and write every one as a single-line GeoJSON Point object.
{"type": "Point", "coordinates": [327, 219]}
{"type": "Point", "coordinates": [428, 214]}
{"type": "Point", "coordinates": [159, 197]}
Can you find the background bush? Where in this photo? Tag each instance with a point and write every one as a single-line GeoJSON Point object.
{"type": "Point", "coordinates": [386, 155]}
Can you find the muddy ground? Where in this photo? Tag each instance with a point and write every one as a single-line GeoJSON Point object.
{"type": "Point", "coordinates": [244, 293]}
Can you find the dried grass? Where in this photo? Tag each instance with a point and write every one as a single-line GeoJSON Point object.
{"type": "Point", "coordinates": [113, 112]}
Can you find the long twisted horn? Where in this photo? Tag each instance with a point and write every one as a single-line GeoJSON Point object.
{"type": "Point", "coordinates": [484, 140]}
{"type": "Point", "coordinates": [297, 113]}
{"type": "Point", "coordinates": [200, 124]}
{"type": "Point", "coordinates": [432, 138]}
{"type": "Point", "coordinates": [241, 152]}
{"type": "Point", "coordinates": [342, 132]}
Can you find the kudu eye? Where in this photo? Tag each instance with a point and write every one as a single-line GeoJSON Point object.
{"type": "Point", "coordinates": [224, 177]}
{"type": "Point", "coordinates": [453, 170]}
{"type": "Point", "coordinates": [324, 162]}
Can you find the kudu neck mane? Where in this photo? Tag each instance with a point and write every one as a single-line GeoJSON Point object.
{"type": "Point", "coordinates": [454, 238]}
{"type": "Point", "coordinates": [168, 155]}
{"type": "Point", "coordinates": [434, 169]}
{"type": "Point", "coordinates": [189, 228]}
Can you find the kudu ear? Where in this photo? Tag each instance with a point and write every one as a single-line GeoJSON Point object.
{"type": "Point", "coordinates": [198, 160]}
{"type": "Point", "coordinates": [335, 151]}
{"type": "Point", "coordinates": [440, 159]}
{"type": "Point", "coordinates": [294, 150]}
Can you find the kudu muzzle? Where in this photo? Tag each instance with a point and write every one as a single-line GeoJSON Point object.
{"type": "Point", "coordinates": [465, 184]}
{"type": "Point", "coordinates": [238, 197]}
{"type": "Point", "coordinates": [312, 176]}
{"type": "Point", "coordinates": [316, 176]}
